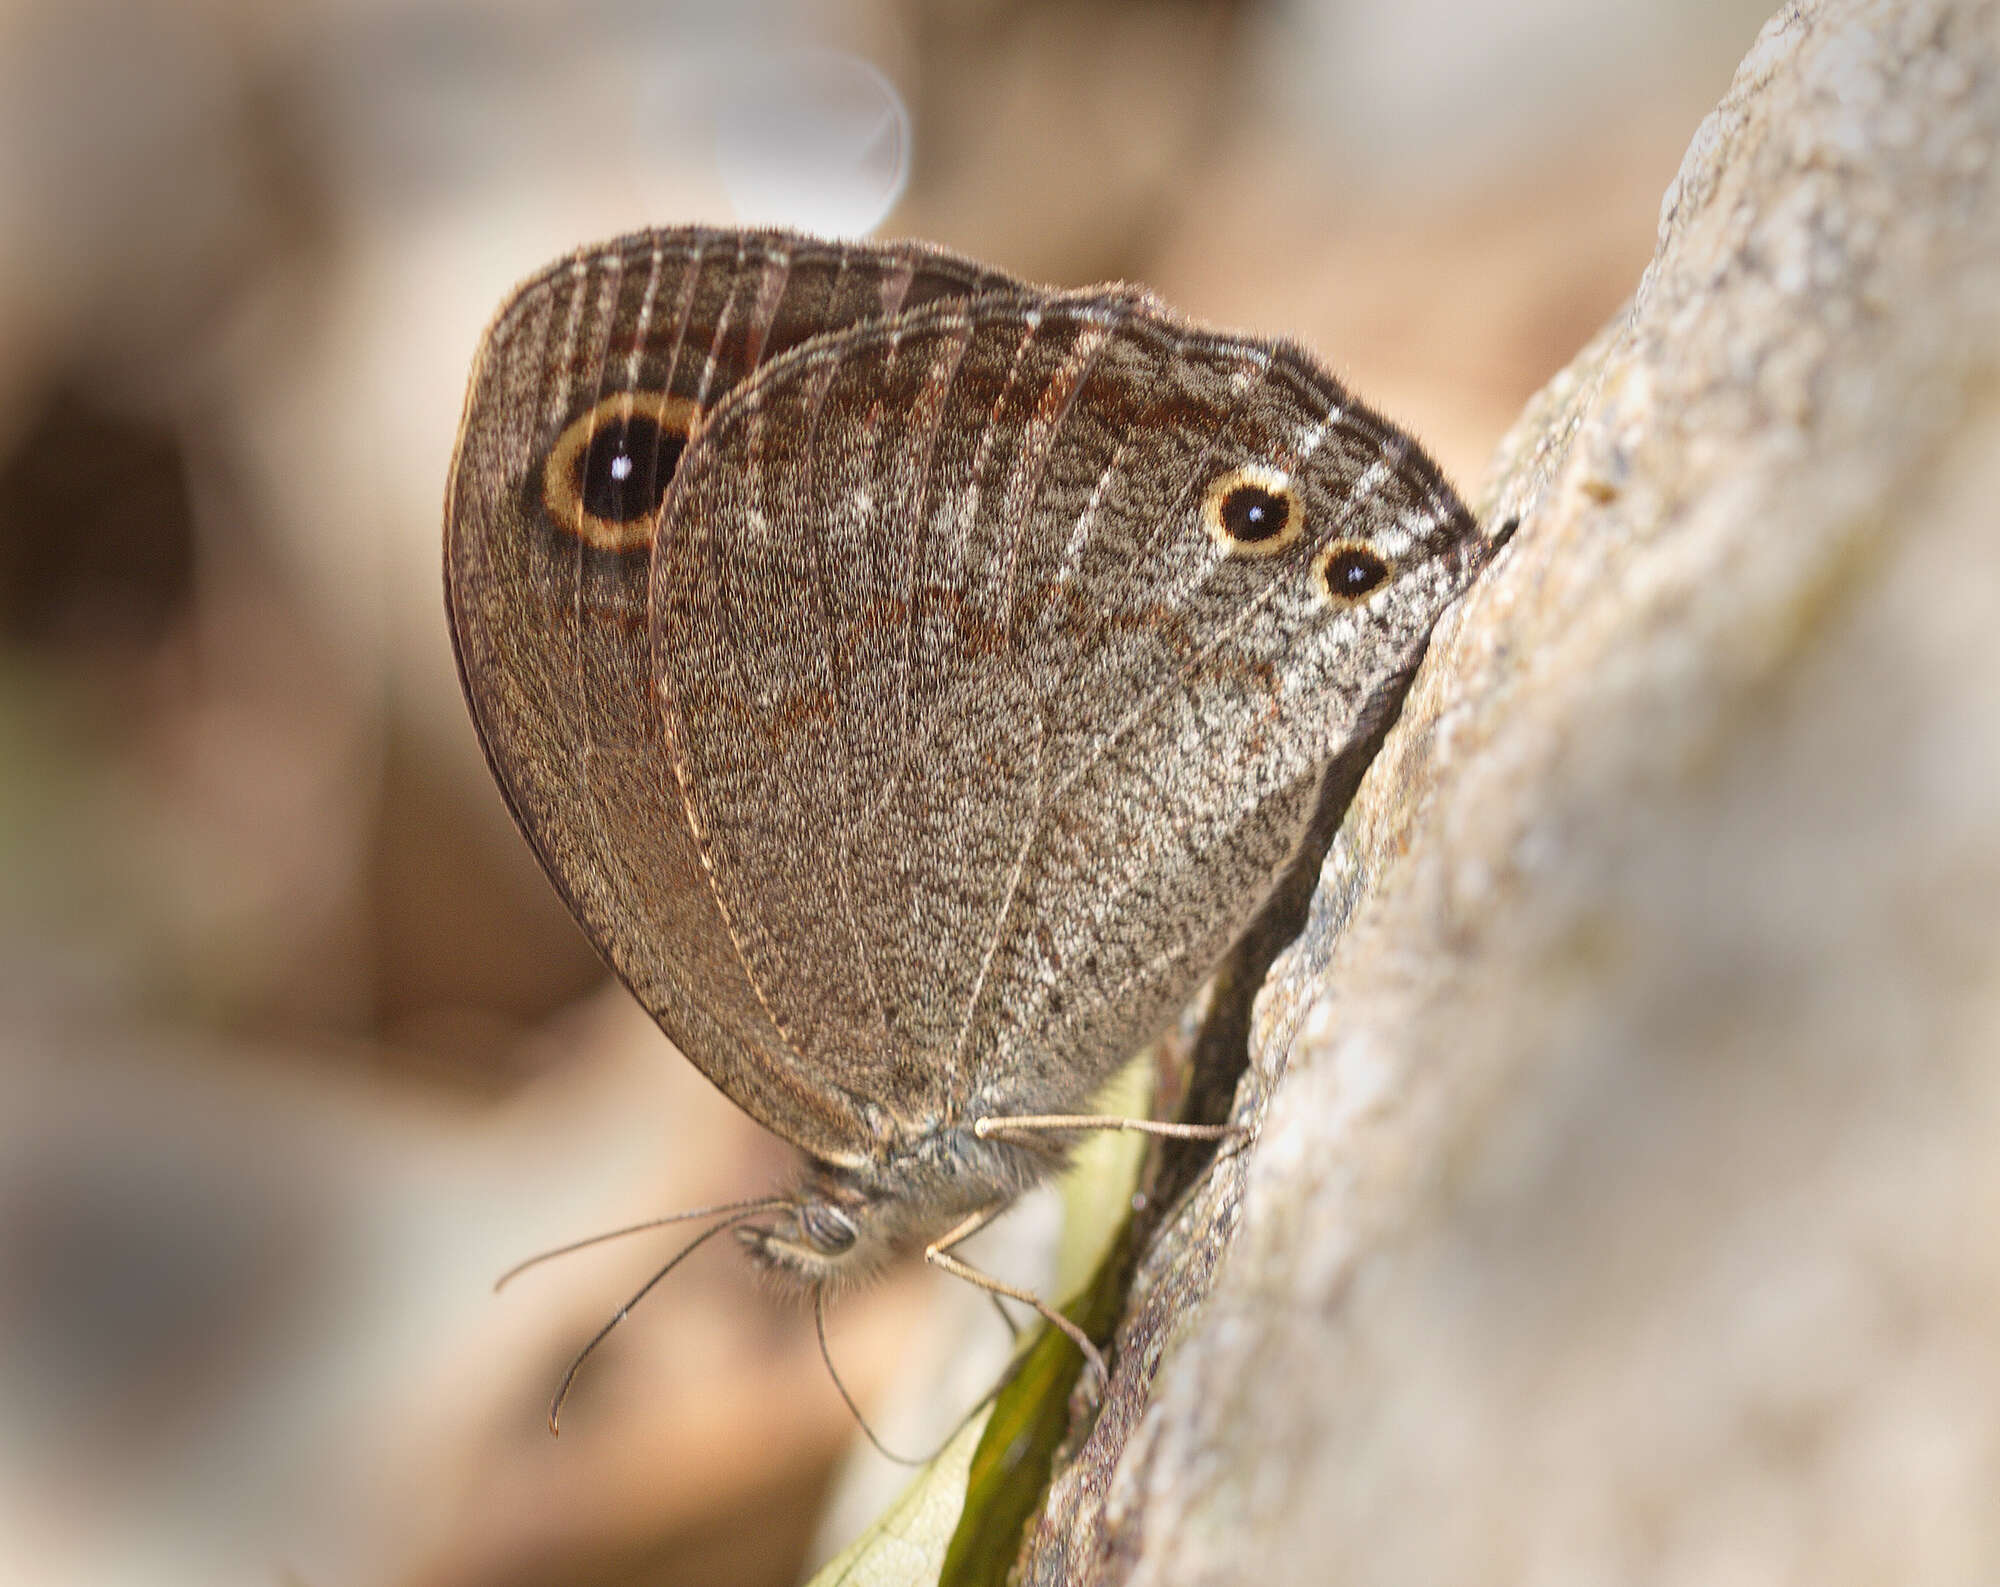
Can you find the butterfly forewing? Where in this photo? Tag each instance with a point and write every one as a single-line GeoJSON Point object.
{"type": "Point", "coordinates": [589, 385]}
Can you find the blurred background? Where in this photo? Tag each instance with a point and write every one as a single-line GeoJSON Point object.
{"type": "Point", "coordinates": [297, 1048]}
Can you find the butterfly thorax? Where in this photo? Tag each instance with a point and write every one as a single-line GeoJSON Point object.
{"type": "Point", "coordinates": [842, 1224]}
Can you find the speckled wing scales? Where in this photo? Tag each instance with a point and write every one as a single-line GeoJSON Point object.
{"type": "Point", "coordinates": [1198, 695]}
{"type": "Point", "coordinates": [858, 742]}
{"type": "Point", "coordinates": [548, 598]}
{"type": "Point", "coordinates": [992, 741]}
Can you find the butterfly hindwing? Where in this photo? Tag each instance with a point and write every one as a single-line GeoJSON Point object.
{"type": "Point", "coordinates": [993, 731]}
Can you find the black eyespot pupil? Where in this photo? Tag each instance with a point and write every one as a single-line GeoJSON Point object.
{"type": "Point", "coordinates": [1354, 572]}
{"type": "Point", "coordinates": [1251, 513]}
{"type": "Point", "coordinates": [625, 471]}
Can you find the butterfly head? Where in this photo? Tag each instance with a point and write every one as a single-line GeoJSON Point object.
{"type": "Point", "coordinates": [829, 1234]}
{"type": "Point", "coordinates": [841, 1225]}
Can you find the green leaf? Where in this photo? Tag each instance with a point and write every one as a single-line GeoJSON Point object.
{"type": "Point", "coordinates": [1097, 1187]}
{"type": "Point", "coordinates": [906, 1545]}
{"type": "Point", "coordinates": [960, 1522]}
{"type": "Point", "coordinates": [1010, 1471]}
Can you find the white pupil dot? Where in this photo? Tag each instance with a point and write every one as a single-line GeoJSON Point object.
{"type": "Point", "coordinates": [621, 467]}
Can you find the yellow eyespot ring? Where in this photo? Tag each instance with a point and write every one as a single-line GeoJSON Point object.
{"type": "Point", "coordinates": [1253, 511]}
{"type": "Point", "coordinates": [1349, 571]}
{"type": "Point", "coordinates": [609, 470]}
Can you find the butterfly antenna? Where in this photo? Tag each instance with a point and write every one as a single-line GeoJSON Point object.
{"type": "Point", "coordinates": [860, 1421]}
{"type": "Point", "coordinates": [617, 1317]}
{"type": "Point", "coordinates": [761, 1204]}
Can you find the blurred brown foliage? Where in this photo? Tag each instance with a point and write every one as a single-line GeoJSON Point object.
{"type": "Point", "coordinates": [296, 1046]}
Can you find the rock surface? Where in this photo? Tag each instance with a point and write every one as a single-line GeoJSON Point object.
{"type": "Point", "coordinates": [1626, 1210]}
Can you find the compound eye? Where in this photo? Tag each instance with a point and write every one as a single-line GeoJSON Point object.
{"type": "Point", "coordinates": [829, 1229]}
{"type": "Point", "coordinates": [1253, 511]}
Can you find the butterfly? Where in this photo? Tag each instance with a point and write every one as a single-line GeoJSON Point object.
{"type": "Point", "coordinates": [914, 680]}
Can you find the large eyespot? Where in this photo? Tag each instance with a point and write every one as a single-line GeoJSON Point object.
{"type": "Point", "coordinates": [608, 472]}
{"type": "Point", "coordinates": [1349, 571]}
{"type": "Point", "coordinates": [1253, 511]}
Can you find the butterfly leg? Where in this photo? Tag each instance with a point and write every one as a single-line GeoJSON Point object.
{"type": "Point", "coordinates": [987, 1128]}
{"type": "Point", "coordinates": [938, 1254]}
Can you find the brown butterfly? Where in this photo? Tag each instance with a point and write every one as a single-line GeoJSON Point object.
{"type": "Point", "coordinates": [913, 680]}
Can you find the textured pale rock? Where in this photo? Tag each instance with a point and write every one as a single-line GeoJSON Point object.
{"type": "Point", "coordinates": [1627, 1210]}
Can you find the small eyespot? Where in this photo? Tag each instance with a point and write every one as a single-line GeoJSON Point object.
{"type": "Point", "coordinates": [1349, 572]}
{"type": "Point", "coordinates": [1253, 511]}
{"type": "Point", "coordinates": [609, 470]}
